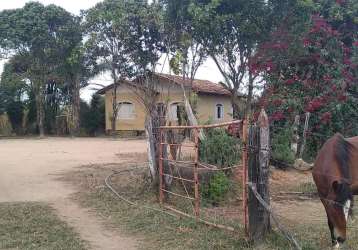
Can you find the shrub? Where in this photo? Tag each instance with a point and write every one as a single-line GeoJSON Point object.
{"type": "Point", "coordinates": [92, 117]}
{"type": "Point", "coordinates": [217, 188]}
{"type": "Point", "coordinates": [219, 149]}
{"type": "Point", "coordinates": [281, 146]}
{"type": "Point", "coordinates": [15, 112]}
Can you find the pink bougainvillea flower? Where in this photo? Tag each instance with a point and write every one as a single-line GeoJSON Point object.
{"type": "Point", "coordinates": [277, 102]}
{"type": "Point", "coordinates": [290, 81]}
{"type": "Point", "coordinates": [306, 42]}
{"type": "Point", "coordinates": [326, 117]}
{"type": "Point", "coordinates": [278, 116]}
{"type": "Point", "coordinates": [343, 98]}
{"type": "Point", "coordinates": [327, 78]}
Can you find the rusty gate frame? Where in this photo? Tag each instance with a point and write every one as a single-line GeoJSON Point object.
{"type": "Point", "coordinates": [196, 199]}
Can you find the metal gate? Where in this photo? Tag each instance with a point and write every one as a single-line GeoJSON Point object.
{"type": "Point", "coordinates": [185, 177]}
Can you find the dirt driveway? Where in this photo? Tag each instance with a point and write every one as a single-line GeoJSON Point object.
{"type": "Point", "coordinates": [29, 169]}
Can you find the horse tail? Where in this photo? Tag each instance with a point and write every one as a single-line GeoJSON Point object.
{"type": "Point", "coordinates": [343, 152]}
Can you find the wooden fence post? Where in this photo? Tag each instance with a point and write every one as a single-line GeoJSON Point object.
{"type": "Point", "coordinates": [259, 155]}
{"type": "Point", "coordinates": [196, 175]}
{"type": "Point", "coordinates": [295, 137]}
{"type": "Point", "coordinates": [161, 168]}
{"type": "Point", "coordinates": [304, 135]}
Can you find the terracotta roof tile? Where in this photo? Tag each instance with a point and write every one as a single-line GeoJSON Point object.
{"type": "Point", "coordinates": [201, 86]}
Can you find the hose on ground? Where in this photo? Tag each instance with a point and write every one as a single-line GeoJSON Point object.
{"type": "Point", "coordinates": [113, 190]}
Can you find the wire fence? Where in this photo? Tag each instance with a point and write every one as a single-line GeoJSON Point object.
{"type": "Point", "coordinates": [204, 178]}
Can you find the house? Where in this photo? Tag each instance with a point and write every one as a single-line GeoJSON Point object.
{"type": "Point", "coordinates": [213, 102]}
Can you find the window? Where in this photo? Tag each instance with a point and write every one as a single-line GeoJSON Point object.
{"type": "Point", "coordinates": [126, 110]}
{"type": "Point", "coordinates": [161, 109]}
{"type": "Point", "coordinates": [173, 112]}
{"type": "Point", "coordinates": [219, 111]}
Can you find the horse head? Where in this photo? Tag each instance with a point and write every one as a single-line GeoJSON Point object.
{"type": "Point", "coordinates": [338, 209]}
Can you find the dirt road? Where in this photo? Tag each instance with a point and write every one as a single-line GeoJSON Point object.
{"type": "Point", "coordinates": [29, 169]}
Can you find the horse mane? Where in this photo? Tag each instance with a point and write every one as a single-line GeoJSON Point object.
{"type": "Point", "coordinates": [343, 152]}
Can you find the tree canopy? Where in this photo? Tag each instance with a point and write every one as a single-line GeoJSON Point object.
{"type": "Point", "coordinates": [290, 56]}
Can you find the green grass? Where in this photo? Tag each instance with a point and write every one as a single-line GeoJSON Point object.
{"type": "Point", "coordinates": [35, 226]}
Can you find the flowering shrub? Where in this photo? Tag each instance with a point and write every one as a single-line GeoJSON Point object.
{"type": "Point", "coordinates": [316, 72]}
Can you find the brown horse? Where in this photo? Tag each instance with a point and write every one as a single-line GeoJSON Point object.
{"type": "Point", "coordinates": [336, 176]}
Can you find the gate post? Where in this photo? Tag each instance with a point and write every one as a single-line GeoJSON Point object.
{"type": "Point", "coordinates": [196, 175]}
{"type": "Point", "coordinates": [245, 174]}
{"type": "Point", "coordinates": [161, 172]}
{"type": "Point", "coordinates": [259, 155]}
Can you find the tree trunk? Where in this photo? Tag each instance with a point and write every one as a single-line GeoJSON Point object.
{"type": "Point", "coordinates": [115, 106]}
{"type": "Point", "coordinates": [115, 110]}
{"type": "Point", "coordinates": [40, 112]}
{"type": "Point", "coordinates": [154, 120]}
{"type": "Point", "coordinates": [151, 148]}
{"type": "Point", "coordinates": [235, 107]}
{"type": "Point", "coordinates": [249, 96]}
{"type": "Point", "coordinates": [75, 126]}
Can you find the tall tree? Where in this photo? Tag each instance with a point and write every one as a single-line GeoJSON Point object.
{"type": "Point", "coordinates": [46, 35]}
{"type": "Point", "coordinates": [231, 31]}
{"type": "Point", "coordinates": [188, 54]}
{"type": "Point", "coordinates": [13, 89]}
{"type": "Point", "coordinates": [107, 27]}
{"type": "Point", "coordinates": [146, 45]}
{"type": "Point", "coordinates": [78, 69]}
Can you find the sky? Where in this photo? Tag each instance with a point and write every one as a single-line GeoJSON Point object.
{"type": "Point", "coordinates": [208, 71]}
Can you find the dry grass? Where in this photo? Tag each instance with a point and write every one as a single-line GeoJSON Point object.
{"type": "Point", "coordinates": [35, 226]}
{"type": "Point", "coordinates": [304, 218]}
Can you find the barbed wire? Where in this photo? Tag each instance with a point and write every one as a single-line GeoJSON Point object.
{"type": "Point", "coordinates": [267, 207]}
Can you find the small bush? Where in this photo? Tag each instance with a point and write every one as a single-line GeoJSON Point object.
{"type": "Point", "coordinates": [217, 188]}
{"type": "Point", "coordinates": [219, 149]}
{"type": "Point", "coordinates": [281, 147]}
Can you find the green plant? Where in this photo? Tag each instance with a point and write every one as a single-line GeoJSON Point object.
{"type": "Point", "coordinates": [92, 117]}
{"type": "Point", "coordinates": [217, 188]}
{"type": "Point", "coordinates": [281, 146]}
{"type": "Point", "coordinates": [219, 149]}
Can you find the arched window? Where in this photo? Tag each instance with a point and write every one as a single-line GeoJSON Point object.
{"type": "Point", "coordinates": [219, 111]}
{"type": "Point", "coordinates": [125, 110]}
{"type": "Point", "coordinates": [173, 111]}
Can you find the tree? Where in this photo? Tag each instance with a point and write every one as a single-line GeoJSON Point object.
{"type": "Point", "coordinates": [78, 69]}
{"type": "Point", "coordinates": [312, 67]}
{"type": "Point", "coordinates": [46, 35]}
{"type": "Point", "coordinates": [108, 29]}
{"type": "Point", "coordinates": [93, 116]}
{"type": "Point", "coordinates": [189, 54]}
{"type": "Point", "coordinates": [144, 45]}
{"type": "Point", "coordinates": [13, 88]}
{"type": "Point", "coordinates": [231, 31]}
